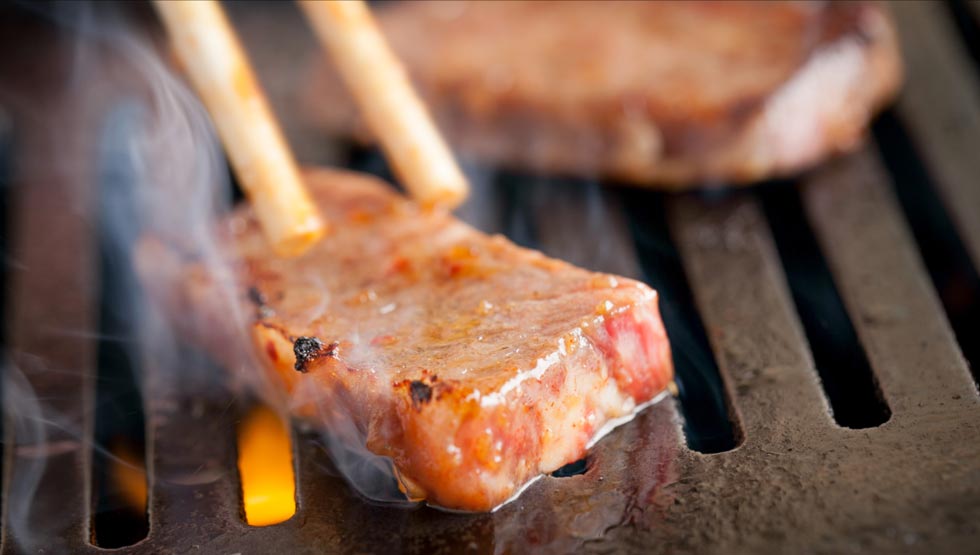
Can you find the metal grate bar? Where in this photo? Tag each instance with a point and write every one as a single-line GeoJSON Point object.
{"type": "Point", "coordinates": [910, 344]}
{"type": "Point", "coordinates": [710, 423]}
{"type": "Point", "coordinates": [321, 492]}
{"type": "Point", "coordinates": [941, 105]}
{"type": "Point", "coordinates": [643, 460]}
{"type": "Point", "coordinates": [584, 224]}
{"type": "Point", "coordinates": [194, 492]}
{"type": "Point", "coordinates": [331, 514]}
{"type": "Point", "coordinates": [757, 338]}
{"type": "Point", "coordinates": [48, 388]}
{"type": "Point", "coordinates": [841, 363]}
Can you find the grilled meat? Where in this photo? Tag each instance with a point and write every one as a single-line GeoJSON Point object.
{"type": "Point", "coordinates": [649, 93]}
{"type": "Point", "coordinates": [474, 364]}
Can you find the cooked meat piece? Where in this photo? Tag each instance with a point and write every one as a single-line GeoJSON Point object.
{"type": "Point", "coordinates": [661, 94]}
{"type": "Point", "coordinates": [476, 365]}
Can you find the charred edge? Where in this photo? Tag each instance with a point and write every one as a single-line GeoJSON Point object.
{"type": "Point", "coordinates": [309, 349]}
{"type": "Point", "coordinates": [420, 392]}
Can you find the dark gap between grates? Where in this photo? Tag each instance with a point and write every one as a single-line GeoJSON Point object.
{"type": "Point", "coordinates": [968, 26]}
{"type": "Point", "coordinates": [576, 468]}
{"type": "Point", "coordinates": [119, 469]}
{"type": "Point", "coordinates": [6, 181]}
{"type": "Point", "coordinates": [709, 421]}
{"type": "Point", "coordinates": [237, 193]}
{"type": "Point", "coordinates": [369, 160]}
{"type": "Point", "coordinates": [518, 198]}
{"type": "Point", "coordinates": [6, 167]}
{"type": "Point", "coordinates": [945, 256]}
{"type": "Point", "coordinates": [846, 375]}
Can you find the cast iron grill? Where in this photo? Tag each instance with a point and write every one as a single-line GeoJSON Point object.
{"type": "Point", "coordinates": [846, 419]}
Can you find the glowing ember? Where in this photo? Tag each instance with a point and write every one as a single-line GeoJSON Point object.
{"type": "Point", "coordinates": [265, 464]}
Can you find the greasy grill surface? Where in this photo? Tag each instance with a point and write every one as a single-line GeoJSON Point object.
{"type": "Point", "coordinates": [795, 481]}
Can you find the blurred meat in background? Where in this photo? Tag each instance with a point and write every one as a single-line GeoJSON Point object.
{"type": "Point", "coordinates": [661, 94]}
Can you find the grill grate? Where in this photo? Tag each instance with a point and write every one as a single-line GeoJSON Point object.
{"type": "Point", "coordinates": [775, 472]}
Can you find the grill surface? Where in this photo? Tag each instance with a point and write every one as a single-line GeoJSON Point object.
{"type": "Point", "coordinates": [795, 480]}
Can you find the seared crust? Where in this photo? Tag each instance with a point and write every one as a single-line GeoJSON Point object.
{"type": "Point", "coordinates": [662, 94]}
{"type": "Point", "coordinates": [474, 364]}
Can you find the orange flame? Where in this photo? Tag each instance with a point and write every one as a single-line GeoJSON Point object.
{"type": "Point", "coordinates": [265, 465]}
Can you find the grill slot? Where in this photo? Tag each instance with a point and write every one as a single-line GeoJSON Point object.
{"type": "Point", "coordinates": [845, 374]}
{"type": "Point", "coordinates": [6, 261]}
{"type": "Point", "coordinates": [710, 425]}
{"type": "Point", "coordinates": [943, 252]}
{"type": "Point", "coordinates": [939, 108]}
{"type": "Point", "coordinates": [874, 261]}
{"type": "Point", "coordinates": [119, 439]}
{"type": "Point", "coordinates": [368, 160]}
{"type": "Point", "coordinates": [518, 194]}
{"type": "Point", "coordinates": [119, 442]}
{"type": "Point", "coordinates": [48, 381]}
{"type": "Point", "coordinates": [730, 259]}
{"type": "Point", "coordinates": [941, 115]}
{"type": "Point", "coordinates": [6, 227]}
{"type": "Point", "coordinates": [966, 16]}
{"type": "Point", "coordinates": [576, 468]}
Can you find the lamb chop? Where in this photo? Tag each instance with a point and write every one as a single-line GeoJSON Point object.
{"type": "Point", "coordinates": [474, 364]}
{"type": "Point", "coordinates": [664, 94]}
